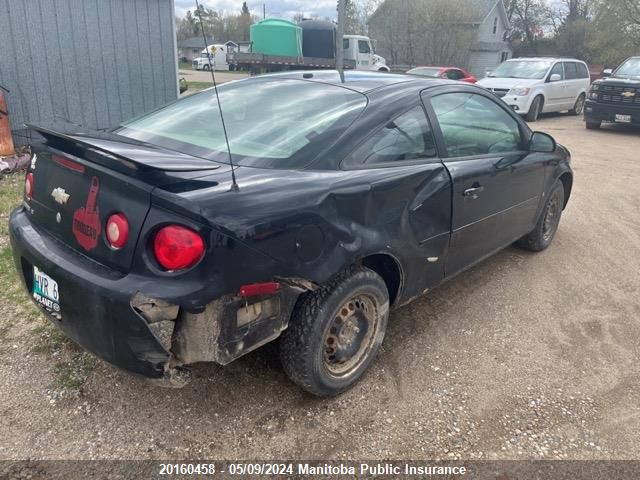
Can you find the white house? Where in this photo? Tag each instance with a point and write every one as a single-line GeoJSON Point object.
{"type": "Point", "coordinates": [492, 47]}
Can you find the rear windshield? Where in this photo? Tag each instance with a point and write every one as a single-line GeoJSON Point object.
{"type": "Point", "coordinates": [629, 69]}
{"type": "Point", "coordinates": [275, 123]}
{"type": "Point", "coordinates": [425, 72]}
{"type": "Point", "coordinates": [534, 69]}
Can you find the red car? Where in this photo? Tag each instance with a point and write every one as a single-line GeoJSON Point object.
{"type": "Point", "coordinates": [451, 73]}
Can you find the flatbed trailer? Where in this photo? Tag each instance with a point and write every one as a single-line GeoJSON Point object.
{"type": "Point", "coordinates": [257, 63]}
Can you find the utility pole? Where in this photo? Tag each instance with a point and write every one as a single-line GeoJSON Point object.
{"type": "Point", "coordinates": [340, 38]}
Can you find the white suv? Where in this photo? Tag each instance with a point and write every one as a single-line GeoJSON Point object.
{"type": "Point", "coordinates": [532, 86]}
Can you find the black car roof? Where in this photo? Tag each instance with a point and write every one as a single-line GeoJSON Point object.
{"type": "Point", "coordinates": [359, 81]}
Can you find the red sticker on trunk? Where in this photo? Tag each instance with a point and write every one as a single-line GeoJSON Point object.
{"type": "Point", "coordinates": [86, 220]}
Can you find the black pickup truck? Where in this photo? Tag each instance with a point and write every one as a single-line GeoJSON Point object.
{"type": "Point", "coordinates": [615, 98]}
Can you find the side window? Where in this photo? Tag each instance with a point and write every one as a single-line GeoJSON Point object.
{"type": "Point", "coordinates": [408, 137]}
{"type": "Point", "coordinates": [454, 74]}
{"type": "Point", "coordinates": [345, 44]}
{"type": "Point", "coordinates": [557, 69]}
{"type": "Point", "coordinates": [570, 70]}
{"type": "Point", "coordinates": [495, 25]}
{"type": "Point", "coordinates": [472, 125]}
{"type": "Point", "coordinates": [363, 46]}
{"type": "Point", "coordinates": [583, 71]}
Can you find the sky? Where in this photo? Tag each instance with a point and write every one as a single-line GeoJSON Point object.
{"type": "Point", "coordinates": [275, 8]}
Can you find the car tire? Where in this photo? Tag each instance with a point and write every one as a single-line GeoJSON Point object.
{"type": "Point", "coordinates": [593, 125]}
{"type": "Point", "coordinates": [535, 109]}
{"type": "Point", "coordinates": [205, 68]}
{"type": "Point", "coordinates": [578, 108]}
{"type": "Point", "coordinates": [336, 332]}
{"type": "Point", "coordinates": [541, 237]}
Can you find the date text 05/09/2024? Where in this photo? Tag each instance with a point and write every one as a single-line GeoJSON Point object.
{"type": "Point", "coordinates": [248, 469]}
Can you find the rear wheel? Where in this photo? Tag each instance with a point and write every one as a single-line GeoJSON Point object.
{"type": "Point", "coordinates": [541, 237]}
{"type": "Point", "coordinates": [594, 125]}
{"type": "Point", "coordinates": [335, 333]}
{"type": "Point", "coordinates": [535, 109]}
{"type": "Point", "coordinates": [578, 108]}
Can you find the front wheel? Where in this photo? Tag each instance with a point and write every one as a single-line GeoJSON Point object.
{"type": "Point", "coordinates": [535, 109]}
{"type": "Point", "coordinates": [541, 237]}
{"type": "Point", "coordinates": [578, 108]}
{"type": "Point", "coordinates": [335, 332]}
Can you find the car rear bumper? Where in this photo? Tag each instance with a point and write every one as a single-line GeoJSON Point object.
{"type": "Point", "coordinates": [95, 303]}
{"type": "Point", "coordinates": [108, 314]}
{"type": "Point", "coordinates": [598, 112]}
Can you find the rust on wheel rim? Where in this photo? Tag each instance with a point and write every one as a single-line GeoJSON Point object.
{"type": "Point", "coordinates": [350, 337]}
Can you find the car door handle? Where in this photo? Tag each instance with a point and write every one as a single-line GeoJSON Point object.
{"type": "Point", "coordinates": [473, 192]}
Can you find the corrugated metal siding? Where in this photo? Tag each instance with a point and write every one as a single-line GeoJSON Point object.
{"type": "Point", "coordinates": [92, 62]}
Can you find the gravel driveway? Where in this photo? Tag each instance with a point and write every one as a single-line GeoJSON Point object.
{"type": "Point", "coordinates": [523, 356]}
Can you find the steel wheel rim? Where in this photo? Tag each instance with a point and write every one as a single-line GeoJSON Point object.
{"type": "Point", "coordinates": [551, 218]}
{"type": "Point", "coordinates": [350, 337]}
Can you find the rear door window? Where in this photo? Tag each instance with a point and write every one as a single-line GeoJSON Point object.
{"type": "Point", "coordinates": [570, 70]}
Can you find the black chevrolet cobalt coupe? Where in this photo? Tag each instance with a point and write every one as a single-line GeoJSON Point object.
{"type": "Point", "coordinates": [350, 198]}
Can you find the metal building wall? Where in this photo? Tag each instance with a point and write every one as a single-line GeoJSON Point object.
{"type": "Point", "coordinates": [92, 62]}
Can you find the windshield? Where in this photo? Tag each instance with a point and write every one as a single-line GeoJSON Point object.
{"type": "Point", "coordinates": [535, 69]}
{"type": "Point", "coordinates": [271, 123]}
{"type": "Point", "coordinates": [630, 68]}
{"type": "Point", "coordinates": [425, 72]}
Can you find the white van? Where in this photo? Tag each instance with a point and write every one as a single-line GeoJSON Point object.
{"type": "Point", "coordinates": [532, 86]}
{"type": "Point", "coordinates": [218, 55]}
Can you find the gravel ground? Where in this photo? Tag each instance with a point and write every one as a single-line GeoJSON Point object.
{"type": "Point", "coordinates": [524, 356]}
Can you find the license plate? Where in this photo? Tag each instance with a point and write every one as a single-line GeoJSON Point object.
{"type": "Point", "coordinates": [45, 292]}
{"type": "Point", "coordinates": [623, 118]}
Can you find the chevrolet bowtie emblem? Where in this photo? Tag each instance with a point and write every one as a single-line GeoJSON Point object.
{"type": "Point", "coordinates": [60, 196]}
{"type": "Point", "coordinates": [629, 94]}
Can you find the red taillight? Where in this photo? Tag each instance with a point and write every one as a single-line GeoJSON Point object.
{"type": "Point", "coordinates": [177, 248]}
{"type": "Point", "coordinates": [28, 185]}
{"type": "Point", "coordinates": [117, 230]}
{"type": "Point", "coordinates": [257, 289]}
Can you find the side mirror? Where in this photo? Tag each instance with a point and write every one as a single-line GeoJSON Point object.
{"type": "Point", "coordinates": [556, 77]}
{"type": "Point", "coordinates": [607, 72]}
{"type": "Point", "coordinates": [542, 143]}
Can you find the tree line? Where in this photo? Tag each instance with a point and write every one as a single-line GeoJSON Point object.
{"type": "Point", "coordinates": [220, 26]}
{"type": "Point", "coordinates": [437, 31]}
{"type": "Point", "coordinates": [597, 31]}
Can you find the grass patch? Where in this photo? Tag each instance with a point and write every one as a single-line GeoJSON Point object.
{"type": "Point", "coordinates": [14, 302]}
{"type": "Point", "coordinates": [18, 310]}
{"type": "Point", "coordinates": [197, 86]}
{"type": "Point", "coordinates": [184, 66]}
{"type": "Point", "coordinates": [71, 375]}
{"type": "Point", "coordinates": [50, 340]}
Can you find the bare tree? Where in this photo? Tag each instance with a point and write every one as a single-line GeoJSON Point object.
{"type": "Point", "coordinates": [412, 32]}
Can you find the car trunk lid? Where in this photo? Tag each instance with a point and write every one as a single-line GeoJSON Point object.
{"type": "Point", "coordinates": [81, 179]}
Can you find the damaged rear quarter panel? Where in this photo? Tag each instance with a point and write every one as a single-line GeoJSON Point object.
{"type": "Point", "coordinates": [311, 224]}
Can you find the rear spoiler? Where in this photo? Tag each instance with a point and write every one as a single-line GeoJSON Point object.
{"type": "Point", "coordinates": [118, 152]}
